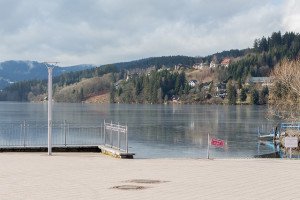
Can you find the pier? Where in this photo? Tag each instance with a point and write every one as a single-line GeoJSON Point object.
{"type": "Point", "coordinates": [91, 148]}
{"type": "Point", "coordinates": [108, 138]}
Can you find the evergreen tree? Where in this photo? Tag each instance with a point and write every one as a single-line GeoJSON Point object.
{"type": "Point", "coordinates": [81, 95]}
{"type": "Point", "coordinates": [166, 98]}
{"type": "Point", "coordinates": [243, 95]}
{"type": "Point", "coordinates": [231, 93]}
{"type": "Point", "coordinates": [254, 98]}
{"type": "Point", "coordinates": [263, 96]}
{"type": "Point", "coordinates": [112, 94]}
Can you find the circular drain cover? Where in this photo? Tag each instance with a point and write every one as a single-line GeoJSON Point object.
{"type": "Point", "coordinates": [129, 187]}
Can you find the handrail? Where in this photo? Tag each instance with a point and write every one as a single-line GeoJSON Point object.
{"type": "Point", "coordinates": [290, 125]}
{"type": "Point", "coordinates": [114, 130]}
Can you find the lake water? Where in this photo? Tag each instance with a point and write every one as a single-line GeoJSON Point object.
{"type": "Point", "coordinates": [161, 131]}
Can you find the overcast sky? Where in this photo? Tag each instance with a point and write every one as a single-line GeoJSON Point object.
{"type": "Point", "coordinates": [107, 31]}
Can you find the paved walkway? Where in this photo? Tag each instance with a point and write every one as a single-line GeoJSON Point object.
{"type": "Point", "coordinates": [94, 176]}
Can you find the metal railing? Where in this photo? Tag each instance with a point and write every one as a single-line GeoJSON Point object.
{"type": "Point", "coordinates": [294, 125]}
{"type": "Point", "coordinates": [31, 134]}
{"type": "Point", "coordinates": [116, 136]}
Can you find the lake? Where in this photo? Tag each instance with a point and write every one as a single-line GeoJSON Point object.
{"type": "Point", "coordinates": [159, 131]}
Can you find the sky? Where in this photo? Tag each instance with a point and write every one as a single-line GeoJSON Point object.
{"type": "Point", "coordinates": [107, 31]}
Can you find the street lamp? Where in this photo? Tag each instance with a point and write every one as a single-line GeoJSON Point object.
{"type": "Point", "coordinates": [50, 69]}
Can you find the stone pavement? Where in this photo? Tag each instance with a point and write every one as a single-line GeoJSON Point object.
{"type": "Point", "coordinates": [94, 176]}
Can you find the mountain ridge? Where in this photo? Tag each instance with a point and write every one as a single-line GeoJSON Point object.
{"type": "Point", "coordinates": [12, 71]}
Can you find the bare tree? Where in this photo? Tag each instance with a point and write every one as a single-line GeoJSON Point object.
{"type": "Point", "coordinates": [284, 96]}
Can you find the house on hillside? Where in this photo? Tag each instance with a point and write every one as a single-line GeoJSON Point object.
{"type": "Point", "coordinates": [193, 83]}
{"type": "Point", "coordinates": [175, 98]}
{"type": "Point", "coordinates": [213, 64]}
{"type": "Point", "coordinates": [225, 62]}
{"type": "Point", "coordinates": [200, 65]}
{"type": "Point", "coordinates": [177, 67]}
{"type": "Point", "coordinates": [117, 84]}
{"type": "Point", "coordinates": [264, 81]}
{"type": "Point", "coordinates": [197, 66]}
{"type": "Point", "coordinates": [221, 90]}
{"type": "Point", "coordinates": [206, 85]}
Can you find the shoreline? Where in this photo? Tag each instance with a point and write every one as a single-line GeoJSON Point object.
{"type": "Point", "coordinates": [96, 176]}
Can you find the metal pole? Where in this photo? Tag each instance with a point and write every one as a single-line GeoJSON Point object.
{"type": "Point", "coordinates": [50, 110]}
{"type": "Point", "coordinates": [21, 133]}
{"type": "Point", "coordinates": [65, 132]}
{"type": "Point", "coordinates": [111, 142]}
{"type": "Point", "coordinates": [208, 144]}
{"type": "Point", "coordinates": [126, 139]}
{"type": "Point", "coordinates": [118, 135]}
{"type": "Point", "coordinates": [24, 131]}
{"type": "Point", "coordinates": [104, 133]}
{"type": "Point", "coordinates": [68, 131]}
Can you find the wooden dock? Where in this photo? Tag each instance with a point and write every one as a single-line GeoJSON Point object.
{"type": "Point", "coordinates": [267, 137]}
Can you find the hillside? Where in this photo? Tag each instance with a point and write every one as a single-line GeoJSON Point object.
{"type": "Point", "coordinates": [219, 78]}
{"type": "Point", "coordinates": [166, 61]}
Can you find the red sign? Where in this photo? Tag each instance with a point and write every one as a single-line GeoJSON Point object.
{"type": "Point", "coordinates": [217, 142]}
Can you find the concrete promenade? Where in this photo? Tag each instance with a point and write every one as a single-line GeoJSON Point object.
{"type": "Point", "coordinates": [95, 176]}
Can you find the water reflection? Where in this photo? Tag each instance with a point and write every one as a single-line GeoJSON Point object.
{"type": "Point", "coordinates": [162, 130]}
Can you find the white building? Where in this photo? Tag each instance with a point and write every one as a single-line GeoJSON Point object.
{"type": "Point", "coordinates": [193, 83]}
{"type": "Point", "coordinates": [213, 64]}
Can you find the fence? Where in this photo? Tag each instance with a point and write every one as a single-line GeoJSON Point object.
{"type": "Point", "coordinates": [295, 125]}
{"type": "Point", "coordinates": [116, 136]}
{"type": "Point", "coordinates": [30, 134]}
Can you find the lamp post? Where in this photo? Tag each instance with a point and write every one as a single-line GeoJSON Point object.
{"type": "Point", "coordinates": [50, 69]}
{"type": "Point", "coordinates": [50, 110]}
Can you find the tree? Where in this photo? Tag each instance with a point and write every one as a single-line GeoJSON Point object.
{"type": "Point", "coordinates": [285, 93]}
{"type": "Point", "coordinates": [243, 95]}
{"type": "Point", "coordinates": [254, 96]}
{"type": "Point", "coordinates": [263, 45]}
{"type": "Point", "coordinates": [166, 99]}
{"type": "Point", "coordinates": [231, 93]}
{"type": "Point", "coordinates": [263, 95]}
{"type": "Point", "coordinates": [112, 94]}
{"type": "Point", "coordinates": [81, 95]}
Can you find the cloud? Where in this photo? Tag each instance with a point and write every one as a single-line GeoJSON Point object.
{"type": "Point", "coordinates": [107, 31]}
{"type": "Point", "coordinates": [291, 19]}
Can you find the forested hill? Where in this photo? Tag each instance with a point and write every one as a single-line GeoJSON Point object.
{"type": "Point", "coordinates": [167, 61]}
{"type": "Point", "coordinates": [257, 61]}
{"type": "Point", "coordinates": [265, 54]}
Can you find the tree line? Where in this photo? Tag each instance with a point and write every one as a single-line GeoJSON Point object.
{"type": "Point", "coordinates": [265, 54]}
{"type": "Point", "coordinates": [155, 87]}
{"type": "Point", "coordinates": [23, 90]}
